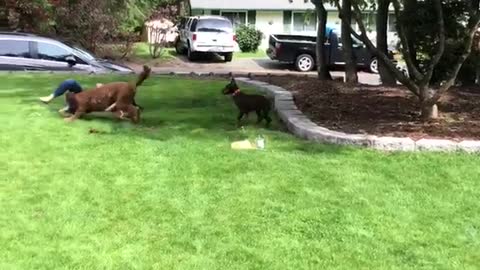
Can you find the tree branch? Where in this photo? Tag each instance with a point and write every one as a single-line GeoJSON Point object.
{"type": "Point", "coordinates": [441, 45]}
{"type": "Point", "coordinates": [381, 56]}
{"type": "Point", "coordinates": [405, 48]}
{"type": "Point", "coordinates": [473, 25]}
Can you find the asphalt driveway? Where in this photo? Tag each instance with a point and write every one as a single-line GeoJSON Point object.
{"type": "Point", "coordinates": [216, 64]}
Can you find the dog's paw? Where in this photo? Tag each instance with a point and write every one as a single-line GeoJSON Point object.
{"type": "Point", "coordinates": [69, 119]}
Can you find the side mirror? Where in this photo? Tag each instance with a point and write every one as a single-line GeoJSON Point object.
{"type": "Point", "coordinates": [71, 60]}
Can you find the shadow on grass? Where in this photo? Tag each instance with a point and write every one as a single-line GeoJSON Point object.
{"type": "Point", "coordinates": [194, 118]}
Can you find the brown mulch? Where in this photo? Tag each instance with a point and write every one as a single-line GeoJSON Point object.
{"type": "Point", "coordinates": [386, 111]}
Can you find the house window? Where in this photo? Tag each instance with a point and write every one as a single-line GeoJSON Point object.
{"type": "Point", "coordinates": [369, 21]}
{"type": "Point", "coordinates": [237, 18]}
{"type": "Point", "coordinates": [304, 21]}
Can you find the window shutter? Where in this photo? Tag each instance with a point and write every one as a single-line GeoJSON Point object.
{"type": "Point", "coordinates": [287, 21]}
{"type": "Point", "coordinates": [252, 17]}
{"type": "Point", "coordinates": [215, 12]}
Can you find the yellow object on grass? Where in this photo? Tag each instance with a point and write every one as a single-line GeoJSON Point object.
{"type": "Point", "coordinates": [243, 145]}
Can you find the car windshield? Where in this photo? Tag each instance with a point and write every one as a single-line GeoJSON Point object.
{"type": "Point", "coordinates": [84, 53]}
{"type": "Point", "coordinates": [214, 25]}
{"type": "Point", "coordinates": [356, 41]}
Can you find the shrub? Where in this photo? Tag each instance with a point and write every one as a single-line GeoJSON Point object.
{"type": "Point", "coordinates": [248, 38]}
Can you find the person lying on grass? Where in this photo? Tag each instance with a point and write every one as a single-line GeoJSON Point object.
{"type": "Point", "coordinates": [69, 86]}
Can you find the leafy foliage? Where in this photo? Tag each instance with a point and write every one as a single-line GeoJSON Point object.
{"type": "Point", "coordinates": [424, 25]}
{"type": "Point", "coordinates": [86, 22]}
{"type": "Point", "coordinates": [248, 38]}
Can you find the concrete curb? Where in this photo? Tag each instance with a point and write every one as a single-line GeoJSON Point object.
{"type": "Point", "coordinates": [302, 127]}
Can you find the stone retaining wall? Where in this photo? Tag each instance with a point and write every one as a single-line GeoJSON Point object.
{"type": "Point", "coordinates": [301, 126]}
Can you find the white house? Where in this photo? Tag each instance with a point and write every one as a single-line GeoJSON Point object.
{"type": "Point", "coordinates": [276, 16]}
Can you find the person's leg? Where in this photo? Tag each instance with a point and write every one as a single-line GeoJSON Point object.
{"type": "Point", "coordinates": [67, 85]}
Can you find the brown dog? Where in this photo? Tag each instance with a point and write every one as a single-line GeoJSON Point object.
{"type": "Point", "coordinates": [117, 97]}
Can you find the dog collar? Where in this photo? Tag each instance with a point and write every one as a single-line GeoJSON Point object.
{"type": "Point", "coordinates": [236, 92]}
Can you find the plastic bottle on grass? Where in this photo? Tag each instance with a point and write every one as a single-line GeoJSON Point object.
{"type": "Point", "coordinates": [260, 142]}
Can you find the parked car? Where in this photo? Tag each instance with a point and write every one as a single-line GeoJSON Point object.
{"type": "Point", "coordinates": [206, 34]}
{"type": "Point", "coordinates": [22, 51]}
{"type": "Point", "coordinates": [300, 51]}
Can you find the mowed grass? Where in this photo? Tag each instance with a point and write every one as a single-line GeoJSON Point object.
{"type": "Point", "coordinates": [171, 194]}
{"type": "Point", "coordinates": [141, 51]}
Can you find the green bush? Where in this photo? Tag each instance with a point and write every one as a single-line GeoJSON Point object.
{"type": "Point", "coordinates": [248, 38]}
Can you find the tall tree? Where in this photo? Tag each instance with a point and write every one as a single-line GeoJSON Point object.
{"type": "Point", "coordinates": [420, 83]}
{"type": "Point", "coordinates": [409, 25]}
{"type": "Point", "coordinates": [347, 43]}
{"type": "Point", "coordinates": [386, 76]}
{"type": "Point", "coordinates": [322, 66]}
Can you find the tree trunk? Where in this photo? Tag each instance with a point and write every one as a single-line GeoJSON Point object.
{"type": "Point", "coordinates": [180, 8]}
{"type": "Point", "coordinates": [386, 76]}
{"type": "Point", "coordinates": [322, 66]}
{"type": "Point", "coordinates": [410, 10]}
{"type": "Point", "coordinates": [428, 104]}
{"type": "Point", "coordinates": [429, 112]}
{"type": "Point", "coordinates": [351, 64]}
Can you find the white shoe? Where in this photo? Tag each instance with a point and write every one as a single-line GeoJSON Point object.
{"type": "Point", "coordinates": [64, 111]}
{"type": "Point", "coordinates": [47, 99]}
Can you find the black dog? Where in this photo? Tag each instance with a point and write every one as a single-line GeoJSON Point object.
{"type": "Point", "coordinates": [248, 103]}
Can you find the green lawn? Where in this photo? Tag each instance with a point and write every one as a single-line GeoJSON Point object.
{"type": "Point", "coordinates": [171, 194]}
{"type": "Point", "coordinates": [141, 51]}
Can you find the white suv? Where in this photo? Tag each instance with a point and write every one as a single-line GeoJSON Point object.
{"type": "Point", "coordinates": [206, 34]}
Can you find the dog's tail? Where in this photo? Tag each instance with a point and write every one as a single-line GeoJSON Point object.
{"type": "Point", "coordinates": [143, 76]}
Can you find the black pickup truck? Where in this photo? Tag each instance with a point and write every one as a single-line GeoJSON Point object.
{"type": "Point", "coordinates": [300, 51]}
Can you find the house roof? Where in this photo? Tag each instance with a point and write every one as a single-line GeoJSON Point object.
{"type": "Point", "coordinates": [255, 4]}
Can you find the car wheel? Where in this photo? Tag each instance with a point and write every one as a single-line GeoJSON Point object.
{"type": "Point", "coordinates": [304, 63]}
{"type": "Point", "coordinates": [228, 57]}
{"type": "Point", "coordinates": [373, 65]}
{"type": "Point", "coordinates": [191, 55]}
{"type": "Point", "coordinates": [179, 48]}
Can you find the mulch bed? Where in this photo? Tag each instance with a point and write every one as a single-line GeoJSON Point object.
{"type": "Point", "coordinates": [386, 111]}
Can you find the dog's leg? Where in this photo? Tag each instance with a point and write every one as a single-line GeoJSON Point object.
{"type": "Point", "coordinates": [136, 105]}
{"type": "Point", "coordinates": [121, 114]}
{"type": "Point", "coordinates": [129, 111]}
{"type": "Point", "coordinates": [134, 114]}
{"type": "Point", "coordinates": [109, 109]}
{"type": "Point", "coordinates": [267, 117]}
{"type": "Point", "coordinates": [259, 116]}
{"type": "Point", "coordinates": [239, 118]}
{"type": "Point", "coordinates": [75, 116]}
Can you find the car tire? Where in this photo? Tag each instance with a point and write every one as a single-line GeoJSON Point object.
{"type": "Point", "coordinates": [373, 66]}
{"type": "Point", "coordinates": [192, 56]}
{"type": "Point", "coordinates": [228, 57]}
{"type": "Point", "coordinates": [179, 48]}
{"type": "Point", "coordinates": [304, 63]}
